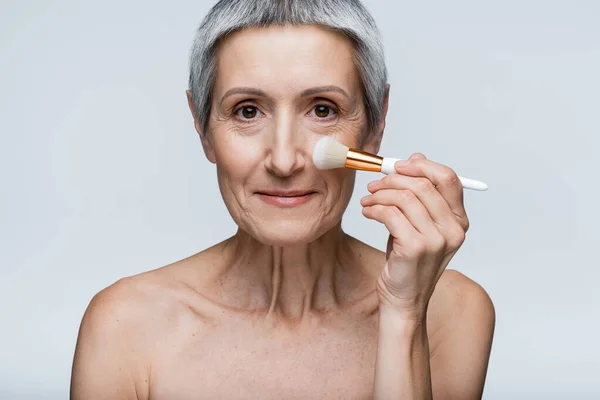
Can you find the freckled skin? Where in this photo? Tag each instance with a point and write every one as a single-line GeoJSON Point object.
{"type": "Point", "coordinates": [287, 307]}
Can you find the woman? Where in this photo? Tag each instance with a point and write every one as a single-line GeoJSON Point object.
{"type": "Point", "coordinates": [291, 307]}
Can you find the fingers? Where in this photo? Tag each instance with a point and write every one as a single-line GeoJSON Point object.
{"type": "Point", "coordinates": [411, 207]}
{"type": "Point", "coordinates": [422, 203]}
{"type": "Point", "coordinates": [423, 192]}
{"type": "Point", "coordinates": [394, 220]}
{"type": "Point", "coordinates": [444, 180]}
{"type": "Point", "coordinates": [417, 155]}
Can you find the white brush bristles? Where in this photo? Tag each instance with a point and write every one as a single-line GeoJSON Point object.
{"type": "Point", "coordinates": [329, 154]}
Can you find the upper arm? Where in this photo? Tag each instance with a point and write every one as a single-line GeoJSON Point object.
{"type": "Point", "coordinates": [107, 355]}
{"type": "Point", "coordinates": [461, 346]}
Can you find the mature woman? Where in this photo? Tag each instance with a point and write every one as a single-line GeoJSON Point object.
{"type": "Point", "coordinates": [292, 307]}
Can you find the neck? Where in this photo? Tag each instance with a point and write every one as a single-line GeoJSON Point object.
{"type": "Point", "coordinates": [294, 281]}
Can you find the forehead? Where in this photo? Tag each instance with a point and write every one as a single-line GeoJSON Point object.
{"type": "Point", "coordinates": [286, 58]}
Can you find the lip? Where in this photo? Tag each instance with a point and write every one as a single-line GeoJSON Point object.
{"type": "Point", "coordinates": [286, 198]}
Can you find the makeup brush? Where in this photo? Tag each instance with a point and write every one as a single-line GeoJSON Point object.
{"type": "Point", "coordinates": [329, 154]}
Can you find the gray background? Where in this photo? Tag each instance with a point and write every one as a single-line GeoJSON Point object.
{"type": "Point", "coordinates": [103, 176]}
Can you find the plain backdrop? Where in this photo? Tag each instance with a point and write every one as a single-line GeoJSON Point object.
{"type": "Point", "coordinates": [103, 176]}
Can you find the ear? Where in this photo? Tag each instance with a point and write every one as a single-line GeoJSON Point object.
{"type": "Point", "coordinates": [373, 142]}
{"type": "Point", "coordinates": [207, 144]}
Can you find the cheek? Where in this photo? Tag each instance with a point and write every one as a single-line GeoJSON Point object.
{"type": "Point", "coordinates": [340, 185]}
{"type": "Point", "coordinates": [346, 132]}
{"type": "Point", "coordinates": [236, 157]}
{"type": "Point", "coordinates": [352, 132]}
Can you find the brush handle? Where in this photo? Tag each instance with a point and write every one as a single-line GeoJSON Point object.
{"type": "Point", "coordinates": [467, 183]}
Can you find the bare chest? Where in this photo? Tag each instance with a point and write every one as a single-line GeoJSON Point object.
{"type": "Point", "coordinates": [246, 362]}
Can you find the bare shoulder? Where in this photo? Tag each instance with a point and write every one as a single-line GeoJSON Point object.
{"type": "Point", "coordinates": [125, 304]}
{"type": "Point", "coordinates": [458, 300]}
{"type": "Point", "coordinates": [145, 298]}
{"type": "Point", "coordinates": [455, 293]}
{"type": "Point", "coordinates": [460, 326]}
{"type": "Point", "coordinates": [128, 313]}
{"type": "Point", "coordinates": [112, 353]}
{"type": "Point", "coordinates": [128, 322]}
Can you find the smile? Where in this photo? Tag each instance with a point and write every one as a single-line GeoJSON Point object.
{"type": "Point", "coordinates": [286, 198]}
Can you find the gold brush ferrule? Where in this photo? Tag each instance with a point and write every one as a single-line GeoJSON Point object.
{"type": "Point", "coordinates": [361, 160]}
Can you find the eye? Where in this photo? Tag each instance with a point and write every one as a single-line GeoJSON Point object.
{"type": "Point", "coordinates": [323, 111]}
{"type": "Point", "coordinates": [248, 112]}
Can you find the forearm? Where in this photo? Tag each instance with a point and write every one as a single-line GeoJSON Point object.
{"type": "Point", "coordinates": [402, 368]}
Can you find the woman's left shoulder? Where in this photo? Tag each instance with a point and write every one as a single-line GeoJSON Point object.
{"type": "Point", "coordinates": [459, 299]}
{"type": "Point", "coordinates": [456, 286]}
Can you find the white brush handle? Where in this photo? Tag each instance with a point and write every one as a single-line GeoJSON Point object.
{"type": "Point", "coordinates": [388, 168]}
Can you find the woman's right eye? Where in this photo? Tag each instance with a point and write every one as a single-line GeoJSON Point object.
{"type": "Point", "coordinates": [248, 112]}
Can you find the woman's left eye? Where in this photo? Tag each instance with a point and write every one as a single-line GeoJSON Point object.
{"type": "Point", "coordinates": [322, 111]}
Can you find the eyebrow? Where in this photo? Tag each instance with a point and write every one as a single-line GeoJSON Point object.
{"type": "Point", "coordinates": [307, 92]}
{"type": "Point", "coordinates": [243, 90]}
{"type": "Point", "coordinates": [323, 89]}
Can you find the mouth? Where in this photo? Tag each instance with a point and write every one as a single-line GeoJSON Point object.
{"type": "Point", "coordinates": [286, 198]}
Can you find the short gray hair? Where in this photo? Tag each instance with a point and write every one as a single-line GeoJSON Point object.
{"type": "Point", "coordinates": [349, 17]}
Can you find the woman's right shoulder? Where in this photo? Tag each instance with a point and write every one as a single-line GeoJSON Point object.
{"type": "Point", "coordinates": [121, 327]}
{"type": "Point", "coordinates": [156, 294]}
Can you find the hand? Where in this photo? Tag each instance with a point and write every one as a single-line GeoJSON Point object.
{"type": "Point", "coordinates": [422, 208]}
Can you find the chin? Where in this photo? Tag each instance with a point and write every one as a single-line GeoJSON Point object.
{"type": "Point", "coordinates": [286, 233]}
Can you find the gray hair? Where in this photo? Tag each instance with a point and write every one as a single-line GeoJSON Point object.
{"type": "Point", "coordinates": [349, 17]}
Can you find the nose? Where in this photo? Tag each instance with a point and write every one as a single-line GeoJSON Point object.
{"type": "Point", "coordinates": [286, 154]}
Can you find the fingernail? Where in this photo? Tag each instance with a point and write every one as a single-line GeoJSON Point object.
{"type": "Point", "coordinates": [401, 163]}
